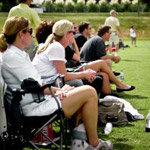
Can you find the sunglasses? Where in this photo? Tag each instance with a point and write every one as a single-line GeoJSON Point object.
{"type": "Point", "coordinates": [30, 30]}
{"type": "Point", "coordinates": [71, 31]}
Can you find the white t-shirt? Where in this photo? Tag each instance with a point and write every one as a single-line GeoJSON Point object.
{"type": "Point", "coordinates": [43, 61]}
{"type": "Point", "coordinates": [16, 66]}
{"type": "Point", "coordinates": [113, 22]}
{"type": "Point", "coordinates": [132, 33]}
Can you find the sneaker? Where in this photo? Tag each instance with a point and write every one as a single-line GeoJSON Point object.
{"type": "Point", "coordinates": [78, 144]}
{"type": "Point", "coordinates": [104, 145]}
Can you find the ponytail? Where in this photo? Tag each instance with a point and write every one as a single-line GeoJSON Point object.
{"type": "Point", "coordinates": [3, 43]}
{"type": "Point", "coordinates": [49, 39]}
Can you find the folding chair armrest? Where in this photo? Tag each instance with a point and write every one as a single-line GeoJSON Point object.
{"type": "Point", "coordinates": [78, 68]}
{"type": "Point", "coordinates": [30, 85]}
{"type": "Point", "coordinates": [52, 80]}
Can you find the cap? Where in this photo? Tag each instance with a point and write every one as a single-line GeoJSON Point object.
{"type": "Point", "coordinates": [113, 11]}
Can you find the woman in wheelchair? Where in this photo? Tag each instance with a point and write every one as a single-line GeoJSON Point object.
{"type": "Point", "coordinates": [16, 67]}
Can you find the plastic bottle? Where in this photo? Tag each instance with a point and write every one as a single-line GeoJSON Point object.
{"type": "Point", "coordinates": [147, 128]}
{"type": "Point", "coordinates": [116, 54]}
{"type": "Point", "coordinates": [108, 128]}
{"type": "Point", "coordinates": [122, 76]}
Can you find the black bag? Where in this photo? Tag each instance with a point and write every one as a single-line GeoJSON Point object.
{"type": "Point", "coordinates": [112, 111]}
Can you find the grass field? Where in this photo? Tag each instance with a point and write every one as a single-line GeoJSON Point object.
{"type": "Point", "coordinates": [126, 20]}
{"type": "Point", "coordinates": [136, 67]}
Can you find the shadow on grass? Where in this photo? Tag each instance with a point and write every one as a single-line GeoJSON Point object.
{"type": "Point", "coordinates": [131, 60]}
{"type": "Point", "coordinates": [122, 146]}
{"type": "Point", "coordinates": [126, 96]}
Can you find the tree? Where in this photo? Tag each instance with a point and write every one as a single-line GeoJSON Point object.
{"type": "Point", "coordinates": [7, 4]}
{"type": "Point", "coordinates": [146, 1]}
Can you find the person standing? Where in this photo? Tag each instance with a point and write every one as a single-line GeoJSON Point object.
{"type": "Point", "coordinates": [23, 10]}
{"type": "Point", "coordinates": [133, 35]}
{"type": "Point", "coordinates": [115, 29]}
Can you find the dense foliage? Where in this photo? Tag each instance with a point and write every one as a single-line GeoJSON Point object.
{"type": "Point", "coordinates": [85, 5]}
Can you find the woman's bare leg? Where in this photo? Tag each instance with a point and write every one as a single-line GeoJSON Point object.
{"type": "Point", "coordinates": [108, 62]}
{"type": "Point", "coordinates": [84, 97]}
{"type": "Point", "coordinates": [106, 83]}
{"type": "Point", "coordinates": [100, 65]}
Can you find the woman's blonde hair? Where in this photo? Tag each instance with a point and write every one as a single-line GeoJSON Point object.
{"type": "Point", "coordinates": [10, 29]}
{"type": "Point", "coordinates": [59, 29]}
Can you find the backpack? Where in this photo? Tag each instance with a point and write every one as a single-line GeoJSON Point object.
{"type": "Point", "coordinates": [112, 111]}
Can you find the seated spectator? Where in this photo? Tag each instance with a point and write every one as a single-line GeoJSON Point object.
{"type": "Point", "coordinates": [41, 36]}
{"type": "Point", "coordinates": [43, 31]}
{"type": "Point", "coordinates": [122, 45]}
{"type": "Point", "coordinates": [52, 54]}
{"type": "Point", "coordinates": [17, 66]}
{"type": "Point", "coordinates": [75, 28]}
{"type": "Point", "coordinates": [101, 67]}
{"type": "Point", "coordinates": [72, 51]}
{"type": "Point", "coordinates": [94, 48]}
{"type": "Point", "coordinates": [72, 55]}
{"type": "Point", "coordinates": [84, 33]}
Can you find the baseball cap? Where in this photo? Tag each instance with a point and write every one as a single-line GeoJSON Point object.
{"type": "Point", "coordinates": [113, 11]}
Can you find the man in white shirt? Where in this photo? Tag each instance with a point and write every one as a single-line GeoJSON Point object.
{"type": "Point", "coordinates": [115, 29]}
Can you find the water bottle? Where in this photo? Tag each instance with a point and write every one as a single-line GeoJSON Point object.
{"type": "Point", "coordinates": [147, 128]}
{"type": "Point", "coordinates": [116, 54]}
{"type": "Point", "coordinates": [122, 76]}
{"type": "Point", "coordinates": [108, 128]}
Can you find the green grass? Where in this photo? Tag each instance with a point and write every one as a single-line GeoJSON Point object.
{"type": "Point", "coordinates": [136, 66]}
{"type": "Point", "coordinates": [126, 20]}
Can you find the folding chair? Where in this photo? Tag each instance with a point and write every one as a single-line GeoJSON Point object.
{"type": "Point", "coordinates": [22, 129]}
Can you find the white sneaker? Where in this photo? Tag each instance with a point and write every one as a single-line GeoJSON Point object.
{"type": "Point", "coordinates": [104, 145]}
{"type": "Point", "coordinates": [79, 139]}
{"type": "Point", "coordinates": [78, 144]}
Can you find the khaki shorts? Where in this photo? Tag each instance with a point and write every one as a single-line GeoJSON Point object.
{"type": "Point", "coordinates": [114, 38]}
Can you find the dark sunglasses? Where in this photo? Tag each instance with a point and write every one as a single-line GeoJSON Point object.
{"type": "Point", "coordinates": [28, 30]}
